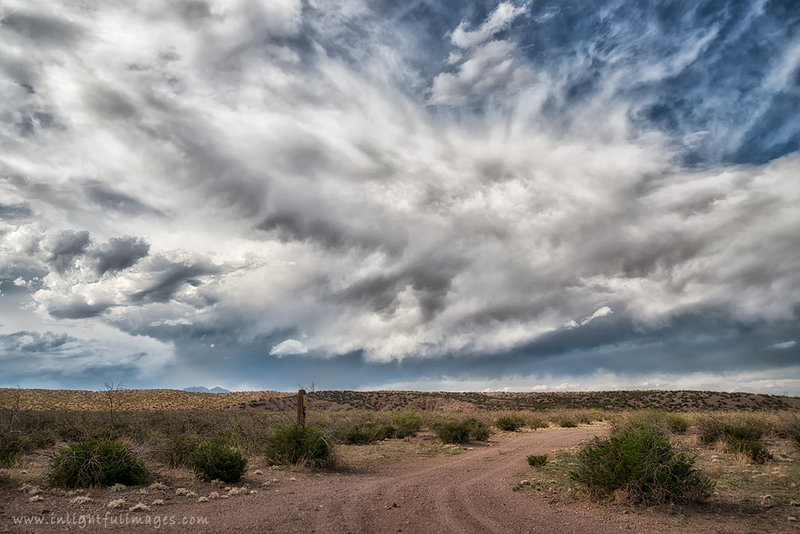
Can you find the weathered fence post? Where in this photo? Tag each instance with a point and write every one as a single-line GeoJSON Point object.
{"type": "Point", "coordinates": [301, 408]}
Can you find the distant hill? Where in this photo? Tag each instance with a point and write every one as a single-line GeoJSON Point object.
{"type": "Point", "coordinates": [201, 389]}
{"type": "Point", "coordinates": [170, 399]}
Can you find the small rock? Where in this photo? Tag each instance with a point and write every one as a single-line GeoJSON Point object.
{"type": "Point", "coordinates": [35, 498]}
{"type": "Point", "coordinates": [213, 495]}
{"type": "Point", "coordinates": [225, 496]}
{"type": "Point", "coordinates": [274, 479]}
{"type": "Point", "coordinates": [253, 492]}
{"type": "Point", "coordinates": [191, 494]}
{"type": "Point", "coordinates": [139, 506]}
{"type": "Point", "coordinates": [202, 499]}
{"type": "Point", "coordinates": [258, 472]}
{"type": "Point", "coordinates": [524, 482]}
{"type": "Point", "coordinates": [142, 491]}
{"type": "Point", "coordinates": [292, 479]}
{"type": "Point", "coordinates": [158, 502]}
{"type": "Point", "coordinates": [81, 499]}
{"type": "Point", "coordinates": [181, 491]}
{"type": "Point", "coordinates": [792, 518]}
{"type": "Point", "coordinates": [118, 487]}
{"type": "Point", "coordinates": [158, 486]}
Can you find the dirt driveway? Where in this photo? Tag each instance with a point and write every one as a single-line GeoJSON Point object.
{"type": "Point", "coordinates": [467, 493]}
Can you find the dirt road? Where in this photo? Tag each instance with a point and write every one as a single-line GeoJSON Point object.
{"type": "Point", "coordinates": [467, 493]}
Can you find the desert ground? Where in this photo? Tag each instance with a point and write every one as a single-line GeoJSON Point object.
{"type": "Point", "coordinates": [412, 484]}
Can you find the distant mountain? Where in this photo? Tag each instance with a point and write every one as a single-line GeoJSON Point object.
{"type": "Point", "coordinates": [201, 389]}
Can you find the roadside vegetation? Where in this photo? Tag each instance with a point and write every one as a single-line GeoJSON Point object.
{"type": "Point", "coordinates": [650, 457]}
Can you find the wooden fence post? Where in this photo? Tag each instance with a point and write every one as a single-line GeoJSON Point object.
{"type": "Point", "coordinates": [301, 408]}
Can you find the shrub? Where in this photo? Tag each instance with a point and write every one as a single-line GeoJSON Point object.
{"type": "Point", "coordinates": [292, 444]}
{"type": "Point", "coordinates": [510, 423]}
{"type": "Point", "coordinates": [455, 431]}
{"type": "Point", "coordinates": [176, 448]}
{"type": "Point", "coordinates": [463, 431]}
{"type": "Point", "coordinates": [217, 460]}
{"type": "Point", "coordinates": [355, 434]}
{"type": "Point", "coordinates": [97, 462]}
{"type": "Point", "coordinates": [538, 423]}
{"type": "Point", "coordinates": [11, 447]}
{"type": "Point", "coordinates": [566, 422]}
{"type": "Point", "coordinates": [752, 448]}
{"type": "Point", "coordinates": [478, 430]}
{"type": "Point", "coordinates": [746, 428]}
{"type": "Point", "coordinates": [742, 434]}
{"type": "Point", "coordinates": [642, 463]}
{"type": "Point", "coordinates": [678, 423]}
{"type": "Point", "coordinates": [711, 429]}
{"type": "Point", "coordinates": [407, 423]}
{"type": "Point", "coordinates": [537, 460]}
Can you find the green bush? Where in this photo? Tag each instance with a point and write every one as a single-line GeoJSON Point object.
{"type": "Point", "coordinates": [454, 431]}
{"type": "Point", "coordinates": [711, 429]}
{"type": "Point", "coordinates": [678, 423]}
{"type": "Point", "coordinates": [175, 449]}
{"type": "Point", "coordinates": [565, 422]}
{"type": "Point", "coordinates": [538, 423]}
{"type": "Point", "coordinates": [12, 446]}
{"type": "Point", "coordinates": [407, 423]}
{"type": "Point", "coordinates": [537, 460]}
{"type": "Point", "coordinates": [292, 444]}
{"type": "Point", "coordinates": [747, 428]}
{"type": "Point", "coordinates": [356, 434]}
{"type": "Point", "coordinates": [217, 460]}
{"type": "Point", "coordinates": [753, 448]}
{"type": "Point", "coordinates": [642, 463]}
{"type": "Point", "coordinates": [97, 462]}
{"type": "Point", "coordinates": [463, 431]}
{"type": "Point", "coordinates": [742, 434]}
{"type": "Point", "coordinates": [510, 423]}
{"type": "Point", "coordinates": [478, 430]}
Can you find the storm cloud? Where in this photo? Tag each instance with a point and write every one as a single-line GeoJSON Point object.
{"type": "Point", "coordinates": [407, 194]}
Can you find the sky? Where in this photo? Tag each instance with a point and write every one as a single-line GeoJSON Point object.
{"type": "Point", "coordinates": [435, 195]}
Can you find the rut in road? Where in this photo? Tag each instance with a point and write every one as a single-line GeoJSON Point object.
{"type": "Point", "coordinates": [471, 492]}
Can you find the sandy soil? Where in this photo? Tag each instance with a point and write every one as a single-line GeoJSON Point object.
{"type": "Point", "coordinates": [470, 493]}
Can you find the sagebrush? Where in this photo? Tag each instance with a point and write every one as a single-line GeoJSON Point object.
{"type": "Point", "coordinates": [217, 460]}
{"type": "Point", "coordinates": [641, 462]}
{"type": "Point", "coordinates": [295, 444]}
{"type": "Point", "coordinates": [95, 462]}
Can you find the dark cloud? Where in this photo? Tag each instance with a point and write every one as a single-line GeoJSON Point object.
{"type": "Point", "coordinates": [334, 233]}
{"type": "Point", "coordinates": [112, 199]}
{"type": "Point", "coordinates": [66, 247]}
{"type": "Point", "coordinates": [25, 341]}
{"type": "Point", "coordinates": [41, 29]}
{"type": "Point", "coordinates": [77, 309]}
{"type": "Point", "coordinates": [120, 253]}
{"type": "Point", "coordinates": [13, 212]}
{"type": "Point", "coordinates": [429, 280]}
{"type": "Point", "coordinates": [171, 278]}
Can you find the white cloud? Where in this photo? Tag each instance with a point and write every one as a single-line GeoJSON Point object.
{"type": "Point", "coordinates": [498, 20]}
{"type": "Point", "coordinates": [769, 382]}
{"type": "Point", "coordinates": [489, 69]}
{"type": "Point", "coordinates": [287, 347]}
{"type": "Point", "coordinates": [331, 199]}
{"type": "Point", "coordinates": [783, 346]}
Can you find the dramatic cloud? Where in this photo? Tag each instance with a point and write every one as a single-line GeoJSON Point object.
{"type": "Point", "coordinates": [425, 193]}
